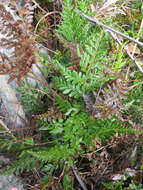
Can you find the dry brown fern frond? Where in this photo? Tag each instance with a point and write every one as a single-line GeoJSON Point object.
{"type": "Point", "coordinates": [29, 14]}
{"type": "Point", "coordinates": [16, 43]}
{"type": "Point", "coordinates": [51, 114]}
{"type": "Point", "coordinates": [108, 100]}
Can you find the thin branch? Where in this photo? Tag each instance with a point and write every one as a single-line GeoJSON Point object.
{"type": "Point", "coordinates": [6, 128]}
{"type": "Point", "coordinates": [75, 171]}
{"type": "Point", "coordinates": [95, 21]}
{"type": "Point", "coordinates": [42, 18]}
{"type": "Point", "coordinates": [39, 6]}
{"type": "Point", "coordinates": [125, 49]}
{"type": "Point", "coordinates": [139, 33]}
{"type": "Point", "coordinates": [136, 62]}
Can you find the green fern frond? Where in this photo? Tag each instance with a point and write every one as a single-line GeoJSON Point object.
{"type": "Point", "coordinates": [73, 27]}
{"type": "Point", "coordinates": [75, 84]}
{"type": "Point", "coordinates": [68, 88]}
{"type": "Point", "coordinates": [54, 154]}
{"type": "Point", "coordinates": [30, 97]}
{"type": "Point", "coordinates": [119, 63]}
{"type": "Point", "coordinates": [25, 162]}
{"type": "Point", "coordinates": [62, 104]}
{"type": "Point", "coordinates": [104, 130]}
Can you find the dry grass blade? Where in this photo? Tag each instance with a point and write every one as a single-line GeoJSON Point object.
{"type": "Point", "coordinates": [108, 3]}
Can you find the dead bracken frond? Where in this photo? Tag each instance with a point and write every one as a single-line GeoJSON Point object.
{"type": "Point", "coordinates": [108, 100]}
{"type": "Point", "coordinates": [16, 42]}
{"type": "Point", "coordinates": [29, 14]}
{"type": "Point", "coordinates": [51, 114]}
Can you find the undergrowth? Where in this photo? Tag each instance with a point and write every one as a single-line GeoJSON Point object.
{"type": "Point", "coordinates": [87, 98]}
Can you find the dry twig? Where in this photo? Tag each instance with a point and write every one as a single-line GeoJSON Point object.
{"type": "Point", "coordinates": [78, 177]}
{"type": "Point", "coordinates": [42, 18]}
{"type": "Point", "coordinates": [95, 21]}
{"type": "Point", "coordinates": [6, 128]}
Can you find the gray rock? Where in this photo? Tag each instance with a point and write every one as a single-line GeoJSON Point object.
{"type": "Point", "coordinates": [7, 182]}
{"type": "Point", "coordinates": [4, 161]}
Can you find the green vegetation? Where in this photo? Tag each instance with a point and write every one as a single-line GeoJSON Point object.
{"type": "Point", "coordinates": [90, 96]}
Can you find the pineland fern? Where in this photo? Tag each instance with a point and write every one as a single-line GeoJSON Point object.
{"type": "Point", "coordinates": [73, 27]}
{"type": "Point", "coordinates": [89, 77]}
{"type": "Point", "coordinates": [25, 163]}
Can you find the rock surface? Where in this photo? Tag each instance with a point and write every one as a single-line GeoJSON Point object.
{"type": "Point", "coordinates": [9, 182]}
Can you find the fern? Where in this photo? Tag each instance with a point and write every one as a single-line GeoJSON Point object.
{"type": "Point", "coordinates": [119, 63]}
{"type": "Point", "coordinates": [108, 100]}
{"type": "Point", "coordinates": [17, 39]}
{"type": "Point", "coordinates": [105, 129]}
{"type": "Point", "coordinates": [77, 129]}
{"type": "Point", "coordinates": [73, 26]}
{"type": "Point", "coordinates": [76, 83]}
{"type": "Point", "coordinates": [90, 73]}
{"type": "Point", "coordinates": [62, 104]}
{"type": "Point", "coordinates": [55, 154]}
{"type": "Point", "coordinates": [31, 97]}
{"type": "Point", "coordinates": [25, 162]}
{"type": "Point", "coordinates": [96, 47]}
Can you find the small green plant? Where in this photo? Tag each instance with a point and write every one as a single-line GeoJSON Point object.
{"type": "Point", "coordinates": [119, 185]}
{"type": "Point", "coordinates": [119, 63]}
{"type": "Point", "coordinates": [134, 187]}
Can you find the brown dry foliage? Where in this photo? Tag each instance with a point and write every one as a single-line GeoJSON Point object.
{"type": "Point", "coordinates": [109, 100]}
{"type": "Point", "coordinates": [18, 41]}
{"type": "Point", "coordinates": [51, 114]}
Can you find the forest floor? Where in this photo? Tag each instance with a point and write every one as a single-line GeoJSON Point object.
{"type": "Point", "coordinates": [114, 165]}
{"type": "Point", "coordinates": [118, 163]}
